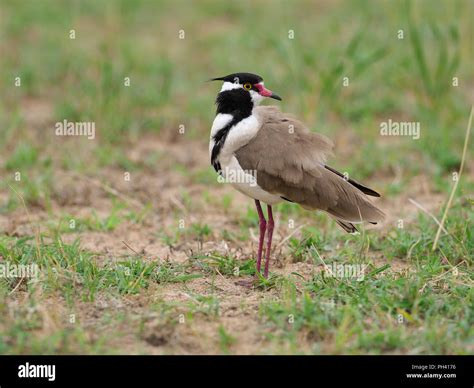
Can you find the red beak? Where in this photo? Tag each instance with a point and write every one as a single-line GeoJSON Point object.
{"type": "Point", "coordinates": [266, 92]}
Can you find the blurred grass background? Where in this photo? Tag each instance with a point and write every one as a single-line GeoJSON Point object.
{"type": "Point", "coordinates": [403, 79]}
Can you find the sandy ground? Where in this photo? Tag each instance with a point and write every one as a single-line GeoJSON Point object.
{"type": "Point", "coordinates": [77, 195]}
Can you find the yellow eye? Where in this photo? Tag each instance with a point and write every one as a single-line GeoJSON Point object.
{"type": "Point", "coordinates": [247, 86]}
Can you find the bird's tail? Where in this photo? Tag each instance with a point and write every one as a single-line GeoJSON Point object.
{"type": "Point", "coordinates": [347, 226]}
{"type": "Point", "coordinates": [352, 205]}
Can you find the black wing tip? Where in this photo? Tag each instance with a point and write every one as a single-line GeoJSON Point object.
{"type": "Point", "coordinates": [370, 192]}
{"type": "Point", "coordinates": [347, 226]}
{"type": "Point", "coordinates": [354, 183]}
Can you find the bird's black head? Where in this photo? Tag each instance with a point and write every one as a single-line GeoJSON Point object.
{"type": "Point", "coordinates": [252, 84]}
{"type": "Point", "coordinates": [240, 78]}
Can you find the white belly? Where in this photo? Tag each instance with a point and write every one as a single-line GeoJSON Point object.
{"type": "Point", "coordinates": [245, 181]}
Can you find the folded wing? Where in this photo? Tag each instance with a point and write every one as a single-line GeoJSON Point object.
{"type": "Point", "coordinates": [290, 161]}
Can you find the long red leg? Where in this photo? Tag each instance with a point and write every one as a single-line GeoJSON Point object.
{"type": "Point", "coordinates": [263, 226]}
{"type": "Point", "coordinates": [269, 240]}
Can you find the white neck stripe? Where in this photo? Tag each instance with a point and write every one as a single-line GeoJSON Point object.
{"type": "Point", "coordinates": [230, 86]}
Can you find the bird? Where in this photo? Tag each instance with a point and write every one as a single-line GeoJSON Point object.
{"type": "Point", "coordinates": [272, 157]}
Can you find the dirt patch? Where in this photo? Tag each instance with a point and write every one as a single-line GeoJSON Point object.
{"type": "Point", "coordinates": [145, 330]}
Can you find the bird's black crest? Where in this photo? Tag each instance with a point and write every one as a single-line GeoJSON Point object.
{"type": "Point", "coordinates": [240, 78]}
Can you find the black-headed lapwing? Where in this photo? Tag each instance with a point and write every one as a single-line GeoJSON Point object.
{"type": "Point", "coordinates": [272, 157]}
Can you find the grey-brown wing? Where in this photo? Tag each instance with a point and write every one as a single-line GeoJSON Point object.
{"type": "Point", "coordinates": [366, 190]}
{"type": "Point", "coordinates": [289, 161]}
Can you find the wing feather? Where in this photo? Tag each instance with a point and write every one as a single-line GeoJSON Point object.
{"type": "Point", "coordinates": [289, 161]}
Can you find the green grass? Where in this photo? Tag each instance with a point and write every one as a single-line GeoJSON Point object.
{"type": "Point", "coordinates": [371, 316]}
{"type": "Point", "coordinates": [226, 340]}
{"type": "Point", "coordinates": [424, 307]}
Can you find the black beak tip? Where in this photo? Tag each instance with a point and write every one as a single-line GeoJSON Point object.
{"type": "Point", "coordinates": [276, 97]}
